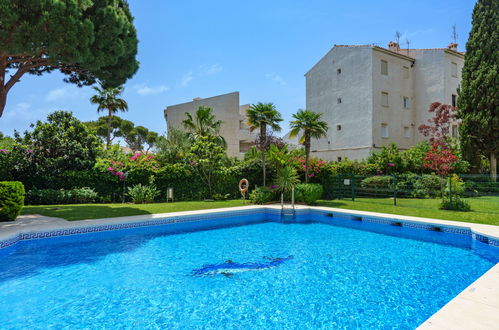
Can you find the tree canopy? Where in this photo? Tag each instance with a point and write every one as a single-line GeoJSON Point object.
{"type": "Point", "coordinates": [87, 40]}
{"type": "Point", "coordinates": [478, 102]}
{"type": "Point", "coordinates": [263, 116]}
{"type": "Point", "coordinates": [311, 126]}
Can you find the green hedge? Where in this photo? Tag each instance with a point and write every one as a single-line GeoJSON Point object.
{"type": "Point", "coordinates": [61, 196]}
{"type": "Point", "coordinates": [261, 195]}
{"type": "Point", "coordinates": [11, 199]}
{"type": "Point", "coordinates": [308, 193]}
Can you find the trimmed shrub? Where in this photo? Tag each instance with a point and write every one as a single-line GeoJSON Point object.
{"type": "Point", "coordinates": [428, 185]}
{"type": "Point", "coordinates": [308, 193]}
{"type": "Point", "coordinates": [457, 204]}
{"type": "Point", "coordinates": [11, 199]}
{"type": "Point", "coordinates": [379, 185]}
{"type": "Point", "coordinates": [61, 196]}
{"type": "Point", "coordinates": [261, 195]}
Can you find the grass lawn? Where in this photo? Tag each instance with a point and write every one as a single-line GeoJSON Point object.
{"type": "Point", "coordinates": [96, 211]}
{"type": "Point", "coordinates": [484, 209]}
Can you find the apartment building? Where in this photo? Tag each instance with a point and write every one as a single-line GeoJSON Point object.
{"type": "Point", "coordinates": [225, 107]}
{"type": "Point", "coordinates": [372, 96]}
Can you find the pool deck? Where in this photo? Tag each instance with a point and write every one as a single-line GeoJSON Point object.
{"type": "Point", "coordinates": [477, 307]}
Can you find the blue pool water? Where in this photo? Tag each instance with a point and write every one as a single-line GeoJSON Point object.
{"type": "Point", "coordinates": [325, 277]}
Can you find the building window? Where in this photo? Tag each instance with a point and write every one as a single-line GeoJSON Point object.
{"type": "Point", "coordinates": [407, 131]}
{"type": "Point", "coordinates": [244, 146]}
{"type": "Point", "coordinates": [454, 100]}
{"type": "Point", "coordinates": [339, 100]}
{"type": "Point", "coordinates": [384, 99]}
{"type": "Point", "coordinates": [454, 69]}
{"type": "Point", "coordinates": [407, 102]}
{"type": "Point", "coordinates": [455, 132]}
{"type": "Point", "coordinates": [384, 131]}
{"type": "Point", "coordinates": [384, 67]}
{"type": "Point", "coordinates": [338, 71]}
{"type": "Point", "coordinates": [339, 159]}
{"type": "Point", "coordinates": [405, 72]}
{"type": "Point", "coordinates": [338, 127]}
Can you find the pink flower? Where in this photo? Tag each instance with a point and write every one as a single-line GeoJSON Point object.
{"type": "Point", "coordinates": [3, 151]}
{"type": "Point", "coordinates": [390, 164]}
{"type": "Point", "coordinates": [118, 173]}
{"type": "Point", "coordinates": [134, 157]}
{"type": "Point", "coordinates": [109, 169]}
{"type": "Point", "coordinates": [150, 157]}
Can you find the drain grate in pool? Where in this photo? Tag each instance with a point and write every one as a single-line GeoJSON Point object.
{"type": "Point", "coordinates": [229, 268]}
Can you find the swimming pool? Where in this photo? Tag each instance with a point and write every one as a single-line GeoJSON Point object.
{"type": "Point", "coordinates": [248, 270]}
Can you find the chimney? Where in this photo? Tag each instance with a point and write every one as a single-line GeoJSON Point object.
{"type": "Point", "coordinates": [393, 46]}
{"type": "Point", "coordinates": [452, 46]}
{"type": "Point", "coordinates": [197, 98]}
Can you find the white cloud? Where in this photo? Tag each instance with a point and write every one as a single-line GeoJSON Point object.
{"type": "Point", "coordinates": [63, 93]}
{"type": "Point", "coordinates": [56, 94]}
{"type": "Point", "coordinates": [143, 89]}
{"type": "Point", "coordinates": [276, 78]}
{"type": "Point", "coordinates": [24, 112]}
{"type": "Point", "coordinates": [209, 70]}
{"type": "Point", "coordinates": [186, 79]}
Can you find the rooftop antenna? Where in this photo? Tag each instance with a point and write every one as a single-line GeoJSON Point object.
{"type": "Point", "coordinates": [407, 42]}
{"type": "Point", "coordinates": [454, 34]}
{"type": "Point", "coordinates": [397, 37]}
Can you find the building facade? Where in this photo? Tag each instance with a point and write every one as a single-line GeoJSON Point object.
{"type": "Point", "coordinates": [373, 96]}
{"type": "Point", "coordinates": [226, 108]}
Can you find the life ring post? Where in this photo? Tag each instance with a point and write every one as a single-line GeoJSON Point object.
{"type": "Point", "coordinates": [243, 188]}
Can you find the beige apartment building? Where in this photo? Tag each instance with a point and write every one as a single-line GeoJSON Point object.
{"type": "Point", "coordinates": [234, 129]}
{"type": "Point", "coordinates": [372, 96]}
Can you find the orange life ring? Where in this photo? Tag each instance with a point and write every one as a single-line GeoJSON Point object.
{"type": "Point", "coordinates": [243, 186]}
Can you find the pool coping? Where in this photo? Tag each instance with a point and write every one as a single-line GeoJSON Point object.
{"type": "Point", "coordinates": [476, 307]}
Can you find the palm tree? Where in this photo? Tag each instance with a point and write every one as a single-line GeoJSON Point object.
{"type": "Point", "coordinates": [204, 123]}
{"type": "Point", "coordinates": [310, 124]}
{"type": "Point", "coordinates": [109, 99]}
{"type": "Point", "coordinates": [263, 115]}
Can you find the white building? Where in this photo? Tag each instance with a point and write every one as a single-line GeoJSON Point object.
{"type": "Point", "coordinates": [225, 107]}
{"type": "Point", "coordinates": [372, 96]}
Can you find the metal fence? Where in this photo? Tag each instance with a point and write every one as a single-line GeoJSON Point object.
{"type": "Point", "coordinates": [419, 191]}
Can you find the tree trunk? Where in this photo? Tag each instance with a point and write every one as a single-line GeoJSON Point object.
{"type": "Point", "coordinates": [3, 100]}
{"type": "Point", "coordinates": [108, 137]}
{"type": "Point", "coordinates": [493, 166]}
{"type": "Point", "coordinates": [307, 152]}
{"type": "Point", "coordinates": [3, 91]}
{"type": "Point", "coordinates": [263, 137]}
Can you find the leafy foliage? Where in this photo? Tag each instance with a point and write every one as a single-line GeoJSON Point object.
{"type": "Point", "coordinates": [261, 195]}
{"type": "Point", "coordinates": [61, 143]}
{"type": "Point", "coordinates": [287, 179]}
{"type": "Point", "coordinates": [85, 40]}
{"type": "Point", "coordinates": [204, 124]}
{"type": "Point", "coordinates": [308, 193]}
{"type": "Point", "coordinates": [311, 126]}
{"type": "Point", "coordinates": [11, 199]}
{"type": "Point", "coordinates": [61, 196]}
{"type": "Point", "coordinates": [100, 127]}
{"type": "Point", "coordinates": [264, 116]}
{"type": "Point", "coordinates": [205, 155]}
{"type": "Point", "coordinates": [109, 99]}
{"type": "Point", "coordinates": [140, 193]}
{"type": "Point", "coordinates": [478, 100]}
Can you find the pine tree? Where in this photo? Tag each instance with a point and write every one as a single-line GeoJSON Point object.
{"type": "Point", "coordinates": [478, 101]}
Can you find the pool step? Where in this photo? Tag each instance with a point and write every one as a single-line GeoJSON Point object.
{"type": "Point", "coordinates": [288, 211]}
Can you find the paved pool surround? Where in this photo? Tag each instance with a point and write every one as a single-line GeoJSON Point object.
{"type": "Point", "coordinates": [476, 307]}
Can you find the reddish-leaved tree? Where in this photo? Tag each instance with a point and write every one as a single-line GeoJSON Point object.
{"type": "Point", "coordinates": [440, 159]}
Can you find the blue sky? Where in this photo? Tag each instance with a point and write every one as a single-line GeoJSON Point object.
{"type": "Point", "coordinates": [260, 48]}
